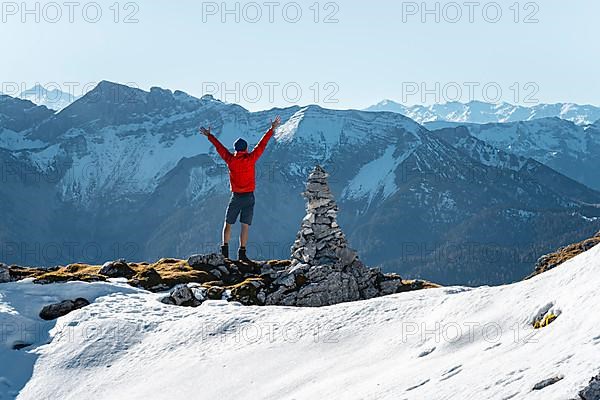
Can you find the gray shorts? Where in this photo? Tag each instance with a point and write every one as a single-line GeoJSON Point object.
{"type": "Point", "coordinates": [241, 204]}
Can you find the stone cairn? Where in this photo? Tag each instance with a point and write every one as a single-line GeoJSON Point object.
{"type": "Point", "coordinates": [324, 270]}
{"type": "Point", "coordinates": [320, 239]}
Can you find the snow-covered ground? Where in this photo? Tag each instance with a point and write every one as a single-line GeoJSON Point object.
{"type": "Point", "coordinates": [20, 304]}
{"type": "Point", "coordinates": [448, 343]}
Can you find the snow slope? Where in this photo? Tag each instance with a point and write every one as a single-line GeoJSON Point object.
{"type": "Point", "coordinates": [376, 177]}
{"type": "Point", "coordinates": [20, 304]}
{"type": "Point", "coordinates": [449, 343]}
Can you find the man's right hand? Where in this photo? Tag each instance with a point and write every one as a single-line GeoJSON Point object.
{"type": "Point", "coordinates": [204, 131]}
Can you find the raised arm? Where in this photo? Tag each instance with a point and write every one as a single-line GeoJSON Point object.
{"type": "Point", "coordinates": [262, 143]}
{"type": "Point", "coordinates": [222, 150]}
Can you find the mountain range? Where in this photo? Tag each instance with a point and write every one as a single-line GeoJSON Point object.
{"type": "Point", "coordinates": [562, 145]}
{"type": "Point", "coordinates": [122, 172]}
{"type": "Point", "coordinates": [482, 112]}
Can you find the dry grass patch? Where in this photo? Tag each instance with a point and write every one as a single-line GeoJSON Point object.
{"type": "Point", "coordinates": [171, 272]}
{"type": "Point", "coordinates": [72, 272]}
{"type": "Point", "coordinates": [165, 273]}
{"type": "Point", "coordinates": [416, 284]}
{"type": "Point", "coordinates": [19, 273]}
{"type": "Point", "coordinates": [564, 254]}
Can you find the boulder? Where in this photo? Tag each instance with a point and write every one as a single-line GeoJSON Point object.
{"type": "Point", "coordinates": [168, 300]}
{"type": "Point", "coordinates": [592, 390]}
{"type": "Point", "coordinates": [286, 279]}
{"type": "Point", "coordinates": [337, 287]}
{"type": "Point", "coordinates": [198, 291]}
{"type": "Point", "coordinates": [319, 286]}
{"type": "Point", "coordinates": [186, 295]}
{"type": "Point", "coordinates": [390, 284]}
{"type": "Point", "coordinates": [148, 279]}
{"type": "Point", "coordinates": [54, 311]}
{"type": "Point", "coordinates": [346, 255]}
{"type": "Point", "coordinates": [250, 292]}
{"type": "Point", "coordinates": [202, 261]}
{"type": "Point", "coordinates": [182, 295]}
{"type": "Point", "coordinates": [547, 382]}
{"type": "Point", "coordinates": [215, 293]}
{"type": "Point", "coordinates": [117, 269]}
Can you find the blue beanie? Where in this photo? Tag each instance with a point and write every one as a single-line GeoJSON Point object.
{"type": "Point", "coordinates": [240, 145]}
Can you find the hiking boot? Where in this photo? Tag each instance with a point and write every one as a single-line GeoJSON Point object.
{"type": "Point", "coordinates": [242, 255]}
{"type": "Point", "coordinates": [225, 250]}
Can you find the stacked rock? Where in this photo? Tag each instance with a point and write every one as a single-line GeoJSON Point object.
{"type": "Point", "coordinates": [323, 269]}
{"type": "Point", "coordinates": [320, 240]}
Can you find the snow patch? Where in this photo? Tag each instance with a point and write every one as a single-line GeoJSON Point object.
{"type": "Point", "coordinates": [10, 140]}
{"type": "Point", "coordinates": [377, 177]}
{"type": "Point", "coordinates": [20, 325]}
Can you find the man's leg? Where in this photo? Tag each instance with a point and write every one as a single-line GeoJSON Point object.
{"type": "Point", "coordinates": [226, 238]}
{"type": "Point", "coordinates": [246, 220]}
{"type": "Point", "coordinates": [226, 233]}
{"type": "Point", "coordinates": [233, 210]}
{"type": "Point", "coordinates": [244, 233]}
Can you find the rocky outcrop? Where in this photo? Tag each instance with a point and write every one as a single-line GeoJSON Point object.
{"type": "Point", "coordinates": [54, 311]}
{"type": "Point", "coordinates": [212, 277]}
{"type": "Point", "coordinates": [563, 254]}
{"type": "Point", "coordinates": [592, 390]}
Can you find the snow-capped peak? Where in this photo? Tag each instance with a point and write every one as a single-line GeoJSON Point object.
{"type": "Point", "coordinates": [54, 99]}
{"type": "Point", "coordinates": [483, 112]}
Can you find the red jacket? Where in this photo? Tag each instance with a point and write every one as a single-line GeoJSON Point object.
{"type": "Point", "coordinates": [241, 163]}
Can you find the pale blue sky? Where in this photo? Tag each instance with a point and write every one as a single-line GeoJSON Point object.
{"type": "Point", "coordinates": [368, 55]}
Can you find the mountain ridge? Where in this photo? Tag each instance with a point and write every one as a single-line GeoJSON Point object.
{"type": "Point", "coordinates": [483, 112]}
{"type": "Point", "coordinates": [559, 144]}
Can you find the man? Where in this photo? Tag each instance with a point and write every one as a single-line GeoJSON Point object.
{"type": "Point", "coordinates": [243, 182]}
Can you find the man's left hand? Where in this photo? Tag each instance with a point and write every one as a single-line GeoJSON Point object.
{"type": "Point", "coordinates": [275, 123]}
{"type": "Point", "coordinates": [204, 131]}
